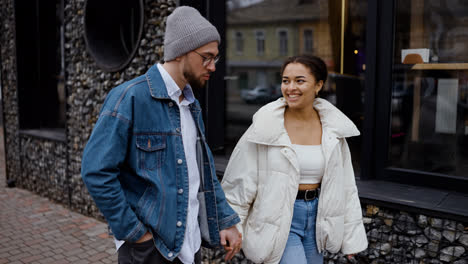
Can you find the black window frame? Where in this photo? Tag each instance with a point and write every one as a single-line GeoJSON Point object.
{"type": "Point", "coordinates": [379, 65]}
{"type": "Point", "coordinates": [212, 97]}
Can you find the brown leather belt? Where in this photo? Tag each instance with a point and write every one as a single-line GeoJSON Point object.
{"type": "Point", "coordinates": [308, 195]}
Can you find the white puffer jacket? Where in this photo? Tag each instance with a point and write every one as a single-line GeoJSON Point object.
{"type": "Point", "coordinates": [262, 178]}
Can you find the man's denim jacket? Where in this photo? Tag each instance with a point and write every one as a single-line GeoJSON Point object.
{"type": "Point", "coordinates": [135, 169]}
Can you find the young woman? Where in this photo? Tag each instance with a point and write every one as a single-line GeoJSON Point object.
{"type": "Point", "coordinates": [290, 177]}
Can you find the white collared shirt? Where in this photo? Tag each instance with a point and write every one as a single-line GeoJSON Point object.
{"type": "Point", "coordinates": [192, 238]}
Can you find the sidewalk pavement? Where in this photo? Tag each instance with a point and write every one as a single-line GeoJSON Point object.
{"type": "Point", "coordinates": [34, 229]}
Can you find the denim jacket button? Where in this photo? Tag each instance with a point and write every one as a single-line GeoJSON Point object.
{"type": "Point", "coordinates": [170, 254]}
{"type": "Point", "coordinates": [171, 104]}
{"type": "Point", "coordinates": [180, 191]}
{"type": "Point", "coordinates": [179, 223]}
{"type": "Point", "coordinates": [177, 130]}
{"type": "Point", "coordinates": [179, 161]}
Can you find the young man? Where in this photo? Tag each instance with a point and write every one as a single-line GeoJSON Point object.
{"type": "Point", "coordinates": [147, 159]}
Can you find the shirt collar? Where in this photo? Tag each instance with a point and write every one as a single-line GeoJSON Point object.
{"type": "Point", "coordinates": [173, 89]}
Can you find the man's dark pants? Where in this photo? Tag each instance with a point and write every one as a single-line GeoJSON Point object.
{"type": "Point", "coordinates": [146, 253]}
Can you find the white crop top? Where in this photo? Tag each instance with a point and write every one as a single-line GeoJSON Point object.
{"type": "Point", "coordinates": [311, 163]}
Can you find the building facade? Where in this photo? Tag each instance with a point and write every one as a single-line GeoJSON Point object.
{"type": "Point", "coordinates": [53, 85]}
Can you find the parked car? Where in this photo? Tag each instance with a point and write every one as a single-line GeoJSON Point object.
{"type": "Point", "coordinates": [261, 94]}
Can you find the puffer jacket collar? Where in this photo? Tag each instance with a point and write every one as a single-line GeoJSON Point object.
{"type": "Point", "coordinates": [268, 123]}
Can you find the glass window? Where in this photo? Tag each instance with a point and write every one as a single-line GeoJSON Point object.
{"type": "Point", "coordinates": [41, 82]}
{"type": "Point", "coordinates": [239, 42]}
{"type": "Point", "coordinates": [308, 41]}
{"type": "Point", "coordinates": [260, 36]}
{"type": "Point", "coordinates": [283, 42]}
{"type": "Point", "coordinates": [113, 42]}
{"type": "Point", "coordinates": [429, 103]}
{"type": "Point", "coordinates": [285, 28]}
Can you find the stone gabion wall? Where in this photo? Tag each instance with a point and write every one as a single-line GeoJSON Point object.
{"type": "Point", "coordinates": [43, 168]}
{"type": "Point", "coordinates": [35, 164]}
{"type": "Point", "coordinates": [8, 79]}
{"type": "Point", "coordinates": [396, 237]}
{"type": "Point", "coordinates": [87, 85]}
{"type": "Point", "coordinates": [401, 237]}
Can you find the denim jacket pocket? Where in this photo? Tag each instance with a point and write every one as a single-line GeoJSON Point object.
{"type": "Point", "coordinates": [150, 151]}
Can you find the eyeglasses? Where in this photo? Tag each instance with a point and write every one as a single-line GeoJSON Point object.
{"type": "Point", "coordinates": [208, 60]}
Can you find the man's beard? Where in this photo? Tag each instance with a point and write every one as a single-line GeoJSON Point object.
{"type": "Point", "coordinates": [195, 83]}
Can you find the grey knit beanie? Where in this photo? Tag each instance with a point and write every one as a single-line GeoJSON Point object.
{"type": "Point", "coordinates": [187, 30]}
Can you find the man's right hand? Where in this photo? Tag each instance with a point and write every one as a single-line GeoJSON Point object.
{"type": "Point", "coordinates": [147, 236]}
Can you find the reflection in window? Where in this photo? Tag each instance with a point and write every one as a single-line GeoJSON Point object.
{"type": "Point", "coordinates": [239, 42]}
{"type": "Point", "coordinates": [308, 41]}
{"type": "Point", "coordinates": [283, 42]}
{"type": "Point", "coordinates": [272, 30]}
{"type": "Point", "coordinates": [243, 80]}
{"type": "Point", "coordinates": [261, 78]}
{"type": "Point", "coordinates": [260, 37]}
{"type": "Point", "coordinates": [429, 103]}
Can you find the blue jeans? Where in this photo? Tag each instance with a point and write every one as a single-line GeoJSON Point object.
{"type": "Point", "coordinates": [301, 247]}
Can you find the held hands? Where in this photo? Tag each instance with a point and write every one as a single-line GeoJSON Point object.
{"type": "Point", "coordinates": [231, 240]}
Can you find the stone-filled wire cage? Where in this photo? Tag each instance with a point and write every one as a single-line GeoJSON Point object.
{"type": "Point", "coordinates": [397, 237]}
{"type": "Point", "coordinates": [400, 237]}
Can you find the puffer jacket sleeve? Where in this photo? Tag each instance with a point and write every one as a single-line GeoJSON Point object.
{"type": "Point", "coordinates": [355, 239]}
{"type": "Point", "coordinates": [240, 178]}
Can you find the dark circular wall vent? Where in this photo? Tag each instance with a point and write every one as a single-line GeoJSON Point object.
{"type": "Point", "coordinates": [113, 30]}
